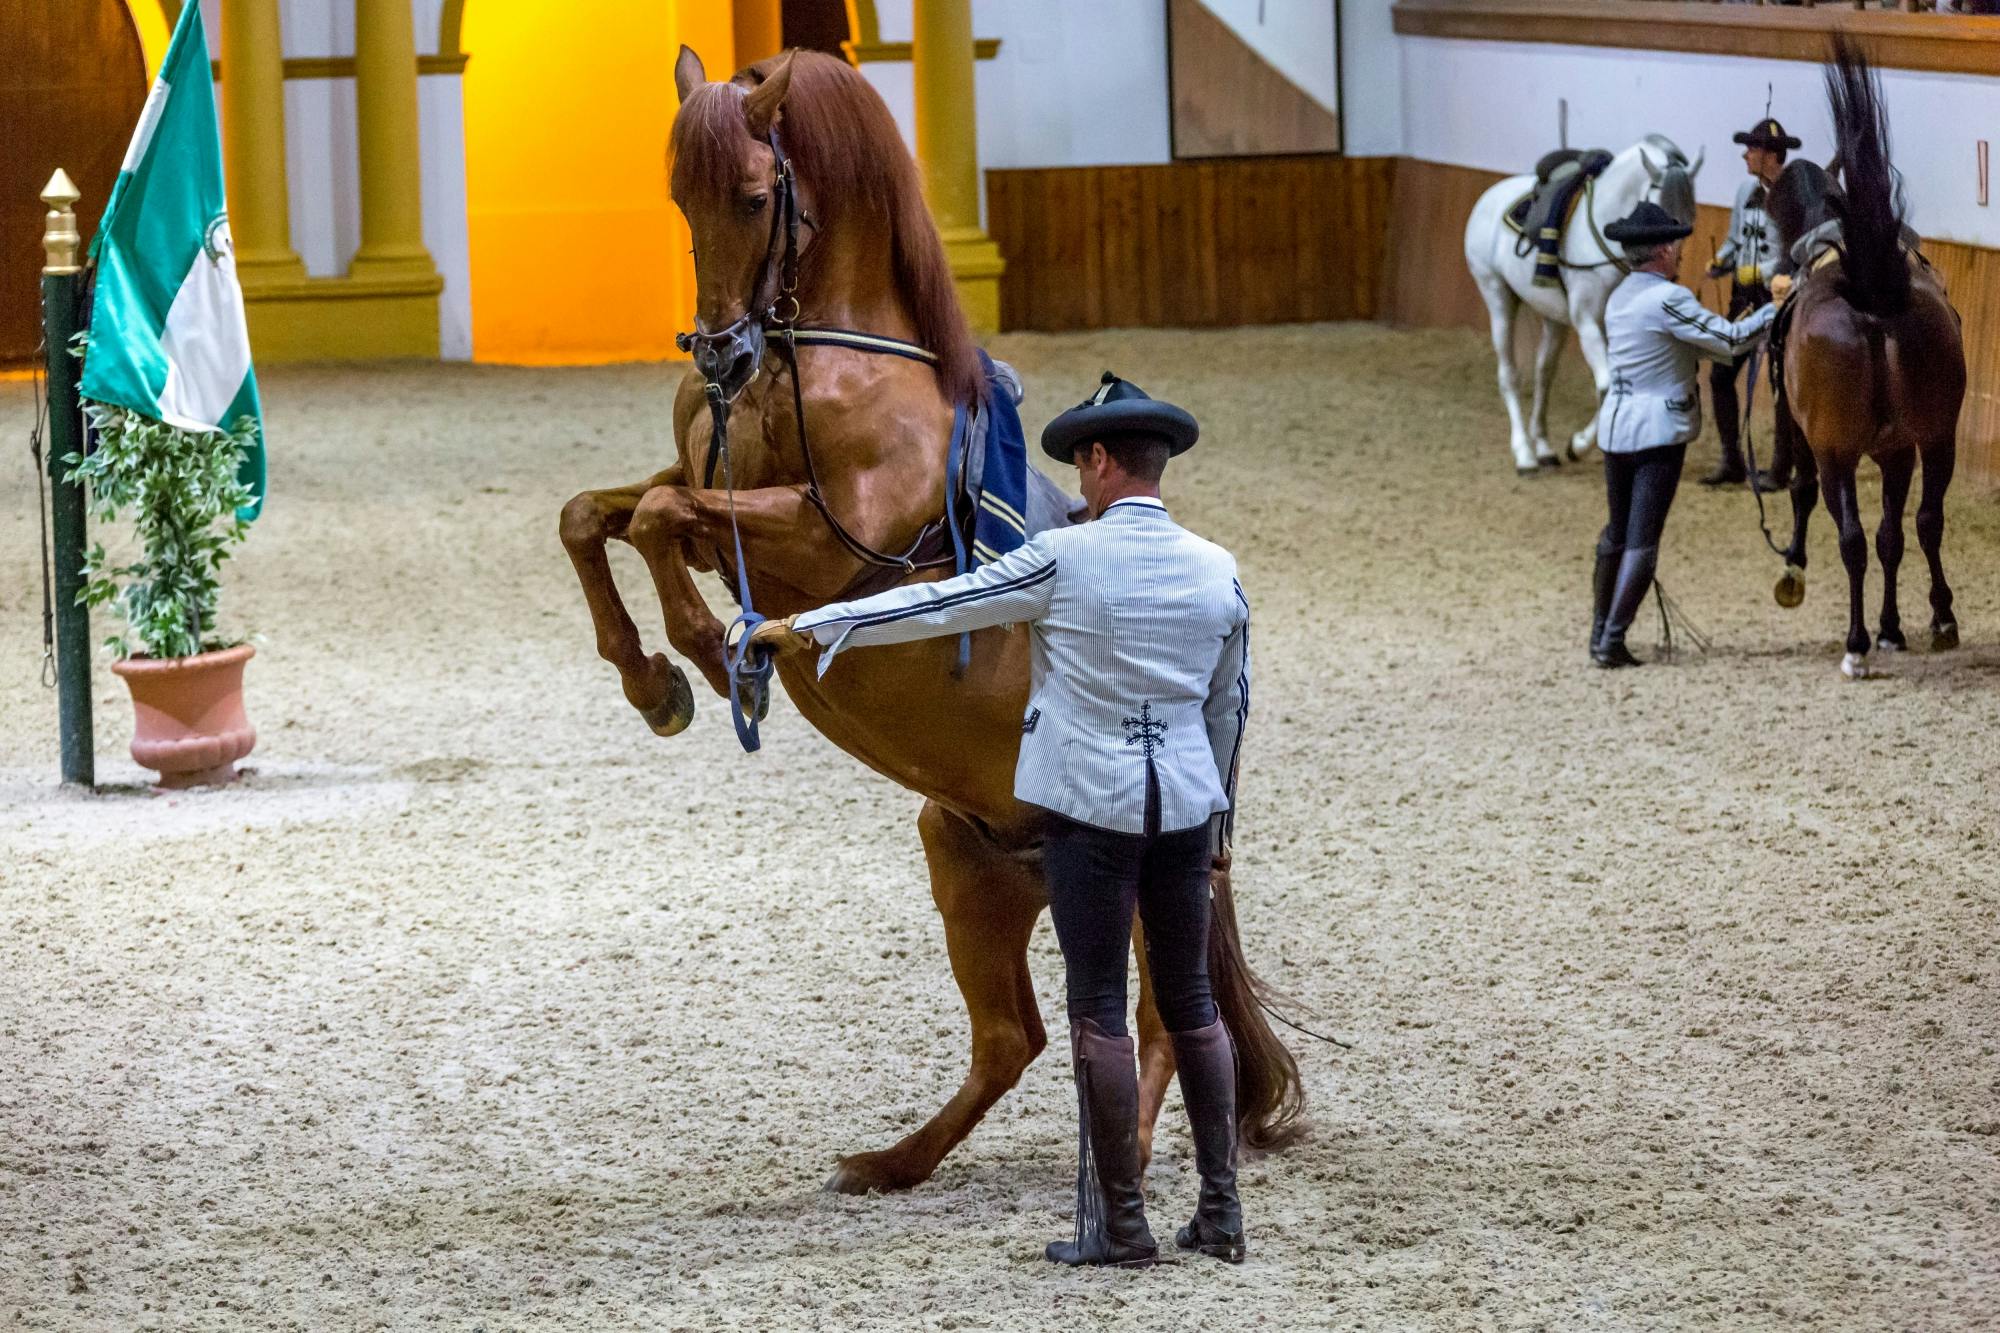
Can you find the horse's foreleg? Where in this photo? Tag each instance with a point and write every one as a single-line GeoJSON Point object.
{"type": "Point", "coordinates": [1590, 337]}
{"type": "Point", "coordinates": [1156, 1050]}
{"type": "Point", "coordinates": [652, 684]}
{"type": "Point", "coordinates": [989, 901]}
{"type": "Point", "coordinates": [785, 542]}
{"type": "Point", "coordinates": [1897, 469]}
{"type": "Point", "coordinates": [1940, 458]}
{"type": "Point", "coordinates": [1548, 352]}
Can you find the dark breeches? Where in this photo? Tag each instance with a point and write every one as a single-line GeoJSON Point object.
{"type": "Point", "coordinates": [1640, 489]}
{"type": "Point", "coordinates": [1096, 878]}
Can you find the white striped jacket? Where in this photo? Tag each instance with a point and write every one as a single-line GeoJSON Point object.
{"type": "Point", "coordinates": [1657, 334]}
{"type": "Point", "coordinates": [1141, 637]}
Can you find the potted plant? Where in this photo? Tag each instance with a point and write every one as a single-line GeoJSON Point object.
{"type": "Point", "coordinates": [181, 492]}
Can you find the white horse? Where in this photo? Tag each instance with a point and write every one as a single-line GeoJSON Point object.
{"type": "Point", "coordinates": [1652, 168]}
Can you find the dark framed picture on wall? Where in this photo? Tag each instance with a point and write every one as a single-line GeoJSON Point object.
{"type": "Point", "coordinates": [1252, 78]}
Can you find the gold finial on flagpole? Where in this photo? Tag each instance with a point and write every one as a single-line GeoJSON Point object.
{"type": "Point", "coordinates": [60, 240]}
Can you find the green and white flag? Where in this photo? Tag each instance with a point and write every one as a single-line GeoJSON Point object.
{"type": "Point", "coordinates": [167, 334]}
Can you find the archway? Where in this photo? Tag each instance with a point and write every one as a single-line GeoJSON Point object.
{"type": "Point", "coordinates": [577, 254]}
{"type": "Point", "coordinates": [69, 96]}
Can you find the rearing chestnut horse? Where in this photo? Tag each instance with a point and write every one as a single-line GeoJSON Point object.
{"type": "Point", "coordinates": [813, 527]}
{"type": "Point", "coordinates": [1872, 364]}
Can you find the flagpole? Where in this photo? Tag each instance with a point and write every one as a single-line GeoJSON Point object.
{"type": "Point", "coordinates": [61, 287]}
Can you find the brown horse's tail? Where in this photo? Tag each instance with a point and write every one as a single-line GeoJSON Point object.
{"type": "Point", "coordinates": [1270, 1099]}
{"type": "Point", "coordinates": [1870, 207]}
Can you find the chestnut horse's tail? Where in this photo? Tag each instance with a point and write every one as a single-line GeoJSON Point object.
{"type": "Point", "coordinates": [1270, 1099]}
{"type": "Point", "coordinates": [1870, 207]}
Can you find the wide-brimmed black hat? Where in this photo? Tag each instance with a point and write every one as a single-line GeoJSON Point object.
{"type": "Point", "coordinates": [1118, 407]}
{"type": "Point", "coordinates": [1768, 133]}
{"type": "Point", "coordinates": [1648, 224]}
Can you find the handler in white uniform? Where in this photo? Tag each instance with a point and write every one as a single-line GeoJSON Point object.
{"type": "Point", "coordinates": [1656, 333]}
{"type": "Point", "coordinates": [1141, 689]}
{"type": "Point", "coordinates": [1749, 259]}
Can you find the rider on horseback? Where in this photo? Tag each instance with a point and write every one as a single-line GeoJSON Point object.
{"type": "Point", "coordinates": [1749, 258]}
{"type": "Point", "coordinates": [1141, 690]}
{"type": "Point", "coordinates": [1656, 332]}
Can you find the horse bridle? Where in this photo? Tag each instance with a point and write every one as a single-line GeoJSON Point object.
{"type": "Point", "coordinates": [736, 352]}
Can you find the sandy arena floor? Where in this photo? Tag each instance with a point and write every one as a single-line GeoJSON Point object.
{"type": "Point", "coordinates": [1673, 992]}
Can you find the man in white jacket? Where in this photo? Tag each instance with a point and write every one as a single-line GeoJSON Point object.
{"type": "Point", "coordinates": [1657, 335]}
{"type": "Point", "coordinates": [1141, 689]}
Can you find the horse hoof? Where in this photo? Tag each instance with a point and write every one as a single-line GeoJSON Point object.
{"type": "Point", "coordinates": [670, 716]}
{"type": "Point", "coordinates": [1547, 460]}
{"type": "Point", "coordinates": [1790, 589]}
{"type": "Point", "coordinates": [1854, 666]}
{"type": "Point", "coordinates": [869, 1173]}
{"type": "Point", "coordinates": [1944, 638]}
{"type": "Point", "coordinates": [1891, 642]}
{"type": "Point", "coordinates": [752, 705]}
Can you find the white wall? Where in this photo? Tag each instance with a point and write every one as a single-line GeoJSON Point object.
{"type": "Point", "coordinates": [1073, 85]}
{"type": "Point", "coordinates": [322, 164]}
{"type": "Point", "coordinates": [1371, 80]}
{"type": "Point", "coordinates": [1493, 105]}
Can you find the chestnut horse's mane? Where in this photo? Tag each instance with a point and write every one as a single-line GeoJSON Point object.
{"type": "Point", "coordinates": [848, 153]}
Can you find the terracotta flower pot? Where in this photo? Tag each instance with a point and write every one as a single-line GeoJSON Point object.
{"type": "Point", "coordinates": [188, 715]}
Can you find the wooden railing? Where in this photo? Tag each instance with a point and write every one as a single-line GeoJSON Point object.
{"type": "Point", "coordinates": [1949, 43]}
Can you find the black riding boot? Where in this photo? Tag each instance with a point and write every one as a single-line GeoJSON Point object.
{"type": "Point", "coordinates": [1111, 1226]}
{"type": "Point", "coordinates": [1635, 577]}
{"type": "Point", "coordinates": [1722, 389]}
{"type": "Point", "coordinates": [1603, 581]}
{"type": "Point", "coordinates": [1207, 1063]}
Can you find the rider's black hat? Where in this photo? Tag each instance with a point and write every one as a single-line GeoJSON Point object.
{"type": "Point", "coordinates": [1648, 224]}
{"type": "Point", "coordinates": [1118, 407]}
{"type": "Point", "coordinates": [1768, 133]}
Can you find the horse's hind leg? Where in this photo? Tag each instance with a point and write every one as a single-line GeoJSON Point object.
{"type": "Point", "coordinates": [1548, 352]}
{"type": "Point", "coordinates": [1842, 502]}
{"type": "Point", "coordinates": [989, 900]}
{"type": "Point", "coordinates": [653, 685]}
{"type": "Point", "coordinates": [1156, 1050]}
{"type": "Point", "coordinates": [1501, 305]}
{"type": "Point", "coordinates": [1897, 469]}
{"type": "Point", "coordinates": [1940, 458]}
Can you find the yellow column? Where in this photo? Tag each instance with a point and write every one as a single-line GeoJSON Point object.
{"type": "Point", "coordinates": [253, 143]}
{"type": "Point", "coordinates": [948, 150]}
{"type": "Point", "coordinates": [385, 91]}
{"type": "Point", "coordinates": [759, 29]}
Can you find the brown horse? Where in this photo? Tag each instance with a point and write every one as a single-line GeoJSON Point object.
{"type": "Point", "coordinates": [798, 159]}
{"type": "Point", "coordinates": [1872, 366]}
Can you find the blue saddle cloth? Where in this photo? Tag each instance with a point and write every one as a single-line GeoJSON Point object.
{"type": "Point", "coordinates": [1007, 501]}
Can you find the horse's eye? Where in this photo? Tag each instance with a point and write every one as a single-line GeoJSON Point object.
{"type": "Point", "coordinates": [755, 204]}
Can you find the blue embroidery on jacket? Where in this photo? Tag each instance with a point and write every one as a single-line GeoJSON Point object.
{"type": "Point", "coordinates": [1145, 731]}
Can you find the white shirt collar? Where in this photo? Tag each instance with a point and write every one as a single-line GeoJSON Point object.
{"type": "Point", "coordinates": [1142, 501]}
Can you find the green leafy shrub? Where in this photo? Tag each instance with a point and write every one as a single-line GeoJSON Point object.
{"type": "Point", "coordinates": [180, 490]}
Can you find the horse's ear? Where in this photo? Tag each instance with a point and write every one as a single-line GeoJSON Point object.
{"type": "Point", "coordinates": [688, 73]}
{"type": "Point", "coordinates": [1700, 154]}
{"type": "Point", "coordinates": [1653, 173]}
{"type": "Point", "coordinates": [767, 99]}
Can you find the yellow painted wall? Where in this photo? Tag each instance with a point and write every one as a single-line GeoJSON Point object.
{"type": "Point", "coordinates": [578, 255]}
{"type": "Point", "coordinates": [154, 20]}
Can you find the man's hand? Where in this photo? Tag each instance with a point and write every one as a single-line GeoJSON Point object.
{"type": "Point", "coordinates": [779, 636]}
{"type": "Point", "coordinates": [1781, 286]}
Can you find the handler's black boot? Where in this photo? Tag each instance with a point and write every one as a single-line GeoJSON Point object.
{"type": "Point", "coordinates": [1722, 388]}
{"type": "Point", "coordinates": [1635, 579]}
{"type": "Point", "coordinates": [1207, 1062]}
{"type": "Point", "coordinates": [1111, 1228]}
{"type": "Point", "coordinates": [1603, 582]}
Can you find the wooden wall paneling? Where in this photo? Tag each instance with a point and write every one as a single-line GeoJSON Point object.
{"type": "Point", "coordinates": [1192, 244]}
{"type": "Point", "coordinates": [1228, 100]}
